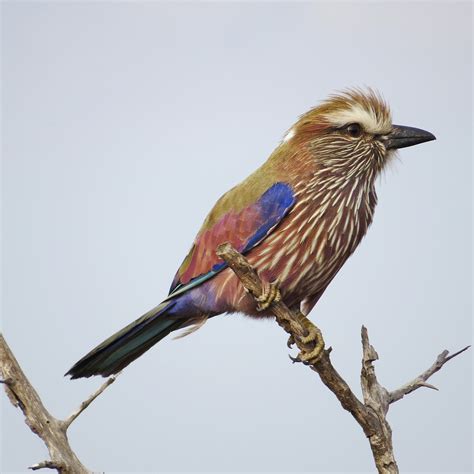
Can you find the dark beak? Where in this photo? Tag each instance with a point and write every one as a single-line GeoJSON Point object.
{"type": "Point", "coordinates": [401, 137]}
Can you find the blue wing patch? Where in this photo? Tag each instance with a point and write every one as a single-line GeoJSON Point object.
{"type": "Point", "coordinates": [273, 206]}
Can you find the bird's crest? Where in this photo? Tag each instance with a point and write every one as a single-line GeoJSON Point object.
{"type": "Point", "coordinates": [365, 107]}
{"type": "Point", "coordinates": [358, 106]}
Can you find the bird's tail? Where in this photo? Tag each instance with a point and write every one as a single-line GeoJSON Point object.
{"type": "Point", "coordinates": [126, 345]}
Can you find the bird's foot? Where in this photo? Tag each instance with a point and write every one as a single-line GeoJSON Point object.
{"type": "Point", "coordinates": [270, 294]}
{"type": "Point", "coordinates": [314, 339]}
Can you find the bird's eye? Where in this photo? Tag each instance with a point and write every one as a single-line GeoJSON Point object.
{"type": "Point", "coordinates": [354, 130]}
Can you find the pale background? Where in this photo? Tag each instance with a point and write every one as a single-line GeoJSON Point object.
{"type": "Point", "coordinates": [123, 123]}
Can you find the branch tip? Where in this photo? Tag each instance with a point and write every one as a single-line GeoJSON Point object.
{"type": "Point", "coordinates": [457, 353]}
{"type": "Point", "coordinates": [67, 422]}
{"type": "Point", "coordinates": [421, 380]}
{"type": "Point", "coordinates": [428, 385]}
{"type": "Point", "coordinates": [45, 465]}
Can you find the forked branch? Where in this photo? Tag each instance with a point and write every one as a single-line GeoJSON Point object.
{"type": "Point", "coordinates": [51, 430]}
{"type": "Point", "coordinates": [370, 414]}
{"type": "Point", "coordinates": [420, 381]}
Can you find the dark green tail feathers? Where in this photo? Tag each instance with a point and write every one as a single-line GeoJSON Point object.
{"type": "Point", "coordinates": [126, 345]}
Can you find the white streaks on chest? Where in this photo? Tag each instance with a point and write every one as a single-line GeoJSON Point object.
{"type": "Point", "coordinates": [322, 230]}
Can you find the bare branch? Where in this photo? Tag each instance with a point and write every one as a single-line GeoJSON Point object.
{"type": "Point", "coordinates": [51, 430]}
{"type": "Point", "coordinates": [371, 415]}
{"type": "Point", "coordinates": [376, 398]}
{"type": "Point", "coordinates": [294, 323]}
{"type": "Point", "coordinates": [67, 422]}
{"type": "Point", "coordinates": [44, 465]}
{"type": "Point", "coordinates": [420, 381]}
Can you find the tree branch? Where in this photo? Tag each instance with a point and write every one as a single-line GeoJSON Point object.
{"type": "Point", "coordinates": [67, 422]}
{"type": "Point", "coordinates": [370, 415]}
{"type": "Point", "coordinates": [376, 400]}
{"type": "Point", "coordinates": [51, 430]}
{"type": "Point", "coordinates": [420, 381]}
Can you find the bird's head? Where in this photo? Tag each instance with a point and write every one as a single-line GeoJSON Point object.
{"type": "Point", "coordinates": [352, 133]}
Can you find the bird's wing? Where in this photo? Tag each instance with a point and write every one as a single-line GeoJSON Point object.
{"type": "Point", "coordinates": [244, 225]}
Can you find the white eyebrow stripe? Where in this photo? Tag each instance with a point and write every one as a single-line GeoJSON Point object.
{"type": "Point", "coordinates": [357, 114]}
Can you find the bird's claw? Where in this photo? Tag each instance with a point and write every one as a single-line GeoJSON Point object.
{"type": "Point", "coordinates": [270, 294]}
{"type": "Point", "coordinates": [290, 342]}
{"type": "Point", "coordinates": [310, 358]}
{"type": "Point", "coordinates": [313, 337]}
{"type": "Point", "coordinates": [294, 359]}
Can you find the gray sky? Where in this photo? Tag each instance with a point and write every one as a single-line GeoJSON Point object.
{"type": "Point", "coordinates": [123, 123]}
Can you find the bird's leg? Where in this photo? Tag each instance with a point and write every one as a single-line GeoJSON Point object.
{"type": "Point", "coordinates": [270, 294]}
{"type": "Point", "coordinates": [310, 343]}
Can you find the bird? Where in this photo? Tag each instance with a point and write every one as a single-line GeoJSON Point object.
{"type": "Point", "coordinates": [297, 219]}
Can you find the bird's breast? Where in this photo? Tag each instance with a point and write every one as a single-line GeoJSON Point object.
{"type": "Point", "coordinates": [307, 249]}
{"type": "Point", "coordinates": [312, 243]}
